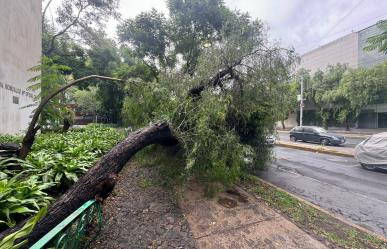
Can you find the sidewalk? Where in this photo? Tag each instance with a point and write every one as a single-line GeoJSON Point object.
{"type": "Point", "coordinates": [230, 221]}
{"type": "Point", "coordinates": [337, 151]}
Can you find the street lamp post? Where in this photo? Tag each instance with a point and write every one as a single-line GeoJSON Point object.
{"type": "Point", "coordinates": [301, 101]}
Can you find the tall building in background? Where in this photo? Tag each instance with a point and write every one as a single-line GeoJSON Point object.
{"type": "Point", "coordinates": [20, 49]}
{"type": "Point", "coordinates": [349, 50]}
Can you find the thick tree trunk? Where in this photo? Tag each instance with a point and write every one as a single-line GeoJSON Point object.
{"type": "Point", "coordinates": [111, 163]}
{"type": "Point", "coordinates": [283, 124]}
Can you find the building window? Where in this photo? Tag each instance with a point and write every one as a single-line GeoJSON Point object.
{"type": "Point", "coordinates": [15, 100]}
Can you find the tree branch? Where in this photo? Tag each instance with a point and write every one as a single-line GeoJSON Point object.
{"type": "Point", "coordinates": [44, 12]}
{"type": "Point", "coordinates": [65, 29]}
{"type": "Point", "coordinates": [29, 138]}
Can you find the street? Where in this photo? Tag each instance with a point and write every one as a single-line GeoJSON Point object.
{"type": "Point", "coordinates": [337, 184]}
{"type": "Point", "coordinates": [351, 142]}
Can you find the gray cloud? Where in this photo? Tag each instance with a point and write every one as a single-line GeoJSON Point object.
{"type": "Point", "coordinates": [302, 24]}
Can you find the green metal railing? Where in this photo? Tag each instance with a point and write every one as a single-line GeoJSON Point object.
{"type": "Point", "coordinates": [78, 230]}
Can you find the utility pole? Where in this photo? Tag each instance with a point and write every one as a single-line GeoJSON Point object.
{"type": "Point", "coordinates": [301, 100]}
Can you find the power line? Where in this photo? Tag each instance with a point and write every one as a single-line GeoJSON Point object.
{"type": "Point", "coordinates": [339, 21]}
{"type": "Point", "coordinates": [356, 28]}
{"type": "Point", "coordinates": [345, 16]}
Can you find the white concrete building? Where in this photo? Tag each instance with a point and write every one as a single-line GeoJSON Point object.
{"type": "Point", "coordinates": [20, 49]}
{"type": "Point", "coordinates": [348, 49]}
{"type": "Point", "coordinates": [342, 50]}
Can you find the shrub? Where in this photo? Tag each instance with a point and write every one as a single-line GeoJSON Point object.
{"type": "Point", "coordinates": [56, 161]}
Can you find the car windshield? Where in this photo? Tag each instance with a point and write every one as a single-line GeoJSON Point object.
{"type": "Point", "coordinates": [320, 130]}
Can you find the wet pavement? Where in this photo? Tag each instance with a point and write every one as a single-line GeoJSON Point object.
{"type": "Point", "coordinates": [351, 142]}
{"type": "Point", "coordinates": [335, 183]}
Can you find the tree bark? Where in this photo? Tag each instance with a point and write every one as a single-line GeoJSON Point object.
{"type": "Point", "coordinates": [8, 149]}
{"type": "Point", "coordinates": [111, 163]}
{"type": "Point", "coordinates": [66, 125]}
{"type": "Point", "coordinates": [29, 137]}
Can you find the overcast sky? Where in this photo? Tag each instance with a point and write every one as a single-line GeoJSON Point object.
{"type": "Point", "coordinates": [303, 24]}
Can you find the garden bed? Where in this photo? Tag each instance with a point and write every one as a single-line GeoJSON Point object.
{"type": "Point", "coordinates": [56, 161]}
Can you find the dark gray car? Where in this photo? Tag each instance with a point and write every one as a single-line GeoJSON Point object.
{"type": "Point", "coordinates": [316, 135]}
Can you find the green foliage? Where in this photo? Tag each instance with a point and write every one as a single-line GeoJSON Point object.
{"type": "Point", "coordinates": [340, 93]}
{"type": "Point", "coordinates": [4, 138]}
{"type": "Point", "coordinates": [56, 161]}
{"type": "Point", "coordinates": [21, 197]}
{"type": "Point", "coordinates": [52, 77]}
{"type": "Point", "coordinates": [222, 133]}
{"type": "Point", "coordinates": [148, 32]}
{"type": "Point", "coordinates": [191, 26]}
{"type": "Point", "coordinates": [213, 151]}
{"type": "Point", "coordinates": [9, 241]}
{"type": "Point", "coordinates": [62, 158]}
{"type": "Point", "coordinates": [146, 103]}
{"type": "Point", "coordinates": [286, 99]}
{"type": "Point", "coordinates": [87, 100]}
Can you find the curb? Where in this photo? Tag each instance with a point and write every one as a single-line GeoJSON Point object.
{"type": "Point", "coordinates": [314, 149]}
{"type": "Point", "coordinates": [349, 223]}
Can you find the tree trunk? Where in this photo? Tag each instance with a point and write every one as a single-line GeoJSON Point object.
{"type": "Point", "coordinates": [111, 163]}
{"type": "Point", "coordinates": [8, 149]}
{"type": "Point", "coordinates": [66, 125]}
{"type": "Point", "coordinates": [283, 124]}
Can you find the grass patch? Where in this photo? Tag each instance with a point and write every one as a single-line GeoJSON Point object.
{"type": "Point", "coordinates": [312, 220]}
{"type": "Point", "coordinates": [171, 165]}
{"type": "Point", "coordinates": [144, 183]}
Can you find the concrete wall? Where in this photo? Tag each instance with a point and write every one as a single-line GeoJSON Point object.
{"type": "Point", "coordinates": [20, 49]}
{"type": "Point", "coordinates": [343, 50]}
{"type": "Point", "coordinates": [369, 58]}
{"type": "Point", "coordinates": [289, 123]}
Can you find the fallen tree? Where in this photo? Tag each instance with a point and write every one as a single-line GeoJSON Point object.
{"type": "Point", "coordinates": [33, 128]}
{"type": "Point", "coordinates": [88, 186]}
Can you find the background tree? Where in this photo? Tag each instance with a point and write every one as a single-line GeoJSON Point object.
{"type": "Point", "coordinates": [51, 78]}
{"type": "Point", "coordinates": [286, 100]}
{"type": "Point", "coordinates": [148, 33]}
{"type": "Point", "coordinates": [78, 18]}
{"type": "Point", "coordinates": [192, 26]}
{"type": "Point", "coordinates": [87, 101]}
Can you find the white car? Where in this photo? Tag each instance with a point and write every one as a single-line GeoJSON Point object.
{"type": "Point", "coordinates": [372, 152]}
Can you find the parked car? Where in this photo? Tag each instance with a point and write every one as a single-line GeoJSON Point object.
{"type": "Point", "coordinates": [316, 135]}
{"type": "Point", "coordinates": [271, 139]}
{"type": "Point", "coordinates": [372, 152]}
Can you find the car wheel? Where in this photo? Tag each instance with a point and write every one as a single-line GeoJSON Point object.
{"type": "Point", "coordinates": [368, 166]}
{"type": "Point", "coordinates": [324, 141]}
{"type": "Point", "coordinates": [293, 139]}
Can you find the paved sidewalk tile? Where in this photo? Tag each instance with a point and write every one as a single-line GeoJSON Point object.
{"type": "Point", "coordinates": [250, 224]}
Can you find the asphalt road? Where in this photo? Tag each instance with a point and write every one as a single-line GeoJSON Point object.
{"type": "Point", "coordinates": [350, 141]}
{"type": "Point", "coordinates": [337, 184]}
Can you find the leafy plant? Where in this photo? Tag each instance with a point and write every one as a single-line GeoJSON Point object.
{"type": "Point", "coordinates": [9, 241]}
{"type": "Point", "coordinates": [56, 161]}
{"type": "Point", "coordinates": [21, 197]}
{"type": "Point", "coordinates": [4, 138]}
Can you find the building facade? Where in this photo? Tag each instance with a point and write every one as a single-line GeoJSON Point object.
{"type": "Point", "coordinates": [20, 49]}
{"type": "Point", "coordinates": [349, 50]}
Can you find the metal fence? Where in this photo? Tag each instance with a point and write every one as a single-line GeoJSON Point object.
{"type": "Point", "coordinates": [78, 230]}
